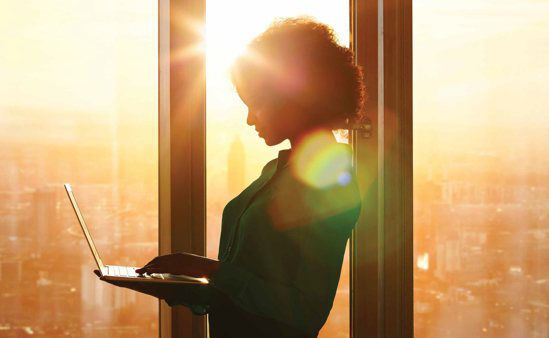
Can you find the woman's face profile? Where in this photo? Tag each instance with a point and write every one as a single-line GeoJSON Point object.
{"type": "Point", "coordinates": [273, 119]}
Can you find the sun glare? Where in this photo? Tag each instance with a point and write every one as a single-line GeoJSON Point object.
{"type": "Point", "coordinates": [229, 31]}
{"type": "Point", "coordinates": [225, 38]}
{"type": "Point", "coordinates": [321, 163]}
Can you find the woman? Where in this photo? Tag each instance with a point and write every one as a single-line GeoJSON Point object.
{"type": "Point", "coordinates": [283, 238]}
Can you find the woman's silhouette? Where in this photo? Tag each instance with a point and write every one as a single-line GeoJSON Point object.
{"type": "Point", "coordinates": [283, 238]}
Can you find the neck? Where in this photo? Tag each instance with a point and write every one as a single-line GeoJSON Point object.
{"type": "Point", "coordinates": [325, 134]}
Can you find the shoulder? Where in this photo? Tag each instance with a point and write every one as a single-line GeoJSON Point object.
{"type": "Point", "coordinates": [270, 166]}
{"type": "Point", "coordinates": [341, 199]}
{"type": "Point", "coordinates": [326, 179]}
{"type": "Point", "coordinates": [295, 202]}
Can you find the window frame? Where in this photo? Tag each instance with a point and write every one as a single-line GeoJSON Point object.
{"type": "Point", "coordinates": [382, 242]}
{"type": "Point", "coordinates": [182, 142]}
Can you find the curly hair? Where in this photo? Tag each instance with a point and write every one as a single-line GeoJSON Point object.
{"type": "Point", "coordinates": [299, 60]}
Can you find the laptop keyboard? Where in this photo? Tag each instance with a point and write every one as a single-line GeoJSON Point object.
{"type": "Point", "coordinates": [129, 272]}
{"type": "Point", "coordinates": [121, 271]}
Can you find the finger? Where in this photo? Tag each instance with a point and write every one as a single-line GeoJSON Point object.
{"type": "Point", "coordinates": [155, 269]}
{"type": "Point", "coordinates": [145, 269]}
{"type": "Point", "coordinates": [150, 264]}
{"type": "Point", "coordinates": [148, 269]}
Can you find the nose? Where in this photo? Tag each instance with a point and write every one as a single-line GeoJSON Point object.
{"type": "Point", "coordinates": [251, 117]}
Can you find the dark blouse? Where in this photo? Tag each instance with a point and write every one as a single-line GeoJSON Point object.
{"type": "Point", "coordinates": [282, 246]}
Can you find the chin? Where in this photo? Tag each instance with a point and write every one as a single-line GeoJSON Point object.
{"type": "Point", "coordinates": [272, 142]}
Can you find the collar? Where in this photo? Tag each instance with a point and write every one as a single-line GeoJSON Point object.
{"type": "Point", "coordinates": [283, 159]}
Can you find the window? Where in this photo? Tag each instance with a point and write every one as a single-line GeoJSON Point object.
{"type": "Point", "coordinates": [235, 154]}
{"type": "Point", "coordinates": [78, 105]}
{"type": "Point", "coordinates": [480, 169]}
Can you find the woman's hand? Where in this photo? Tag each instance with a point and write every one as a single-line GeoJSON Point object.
{"type": "Point", "coordinates": [170, 292]}
{"type": "Point", "coordinates": [182, 264]}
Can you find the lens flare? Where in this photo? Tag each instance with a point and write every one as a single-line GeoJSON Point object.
{"type": "Point", "coordinates": [321, 162]}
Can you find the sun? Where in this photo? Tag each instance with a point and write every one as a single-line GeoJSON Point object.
{"type": "Point", "coordinates": [226, 37]}
{"type": "Point", "coordinates": [231, 25]}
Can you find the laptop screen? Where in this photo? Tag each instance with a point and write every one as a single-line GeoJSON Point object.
{"type": "Point", "coordinates": [84, 227]}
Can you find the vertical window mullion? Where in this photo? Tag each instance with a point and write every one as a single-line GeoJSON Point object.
{"type": "Point", "coordinates": [365, 246]}
{"type": "Point", "coordinates": [382, 263]}
{"type": "Point", "coordinates": [182, 92]}
{"type": "Point", "coordinates": [397, 170]}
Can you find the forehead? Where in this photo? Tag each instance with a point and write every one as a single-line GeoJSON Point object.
{"type": "Point", "coordinates": [253, 90]}
{"type": "Point", "coordinates": [244, 92]}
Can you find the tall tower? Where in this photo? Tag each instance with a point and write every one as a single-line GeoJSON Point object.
{"type": "Point", "coordinates": [236, 168]}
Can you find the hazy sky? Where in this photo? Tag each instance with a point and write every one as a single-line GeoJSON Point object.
{"type": "Point", "coordinates": [488, 58]}
{"type": "Point", "coordinates": [63, 55]}
{"type": "Point", "coordinates": [479, 63]}
{"type": "Point", "coordinates": [480, 74]}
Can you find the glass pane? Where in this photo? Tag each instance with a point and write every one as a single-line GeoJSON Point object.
{"type": "Point", "coordinates": [481, 190]}
{"type": "Point", "coordinates": [235, 155]}
{"type": "Point", "coordinates": [78, 104]}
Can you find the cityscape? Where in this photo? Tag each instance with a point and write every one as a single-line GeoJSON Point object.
{"type": "Point", "coordinates": [480, 238]}
{"type": "Point", "coordinates": [481, 246]}
{"type": "Point", "coordinates": [481, 185]}
{"type": "Point", "coordinates": [47, 285]}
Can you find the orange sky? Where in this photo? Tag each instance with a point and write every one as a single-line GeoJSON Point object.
{"type": "Point", "coordinates": [62, 55]}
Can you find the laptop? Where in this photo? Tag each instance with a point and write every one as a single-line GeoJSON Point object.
{"type": "Point", "coordinates": [125, 273]}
